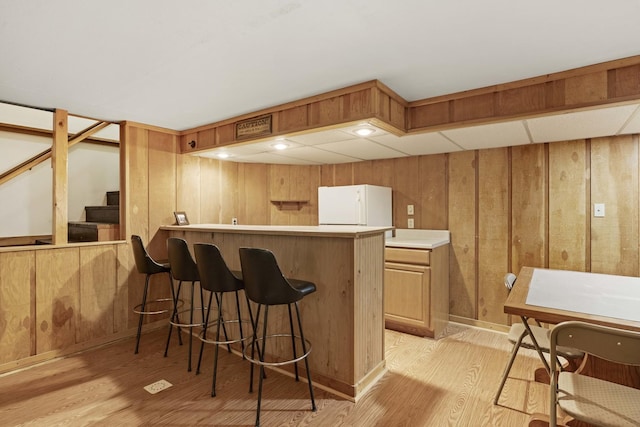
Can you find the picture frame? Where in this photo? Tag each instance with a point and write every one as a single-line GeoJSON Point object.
{"type": "Point", "coordinates": [181, 218]}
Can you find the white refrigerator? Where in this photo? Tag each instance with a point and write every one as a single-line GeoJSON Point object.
{"type": "Point", "coordinates": [355, 205]}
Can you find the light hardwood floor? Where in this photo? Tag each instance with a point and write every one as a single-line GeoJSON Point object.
{"type": "Point", "coordinates": [448, 382]}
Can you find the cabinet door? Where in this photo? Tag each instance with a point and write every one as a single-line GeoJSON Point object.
{"type": "Point", "coordinates": [406, 294]}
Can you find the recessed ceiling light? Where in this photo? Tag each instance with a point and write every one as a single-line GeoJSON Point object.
{"type": "Point", "coordinates": [364, 131]}
{"type": "Point", "coordinates": [223, 155]}
{"type": "Point", "coordinates": [280, 146]}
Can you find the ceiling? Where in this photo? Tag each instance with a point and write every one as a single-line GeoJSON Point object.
{"type": "Point", "coordinates": [181, 65]}
{"type": "Point", "coordinates": [344, 146]}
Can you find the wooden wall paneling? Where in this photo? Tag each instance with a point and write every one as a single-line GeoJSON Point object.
{"type": "Point", "coordinates": [424, 116]}
{"type": "Point", "coordinates": [528, 206]}
{"type": "Point", "coordinates": [624, 81]}
{"type": "Point", "coordinates": [137, 147]}
{"type": "Point", "coordinates": [364, 173]}
{"type": "Point", "coordinates": [225, 134]}
{"type": "Point", "coordinates": [357, 105]}
{"type": "Point", "coordinates": [431, 209]}
{"type": "Point", "coordinates": [254, 201]}
{"type": "Point", "coordinates": [98, 286]}
{"type": "Point", "coordinates": [343, 174]}
{"type": "Point", "coordinates": [406, 190]}
{"type": "Point", "coordinates": [384, 172]}
{"type": "Point", "coordinates": [188, 186]}
{"type": "Point", "coordinates": [586, 88]}
{"type": "Point", "coordinates": [493, 233]}
{"type": "Point", "coordinates": [162, 188]}
{"type": "Point", "coordinates": [210, 190]}
{"type": "Point", "coordinates": [187, 139]}
{"type": "Point", "coordinates": [279, 189]}
{"type": "Point", "coordinates": [304, 186]}
{"type": "Point", "coordinates": [326, 175]}
{"type": "Point", "coordinates": [614, 182]}
{"type": "Point", "coordinates": [397, 114]}
{"type": "Point", "coordinates": [126, 275]}
{"type": "Point", "coordinates": [462, 224]}
{"type": "Point", "coordinates": [205, 138]}
{"type": "Point", "coordinates": [229, 191]}
{"type": "Point", "coordinates": [292, 119]}
{"type": "Point", "coordinates": [17, 322]}
{"type": "Point", "coordinates": [474, 107]}
{"type": "Point", "coordinates": [568, 205]}
{"type": "Point", "coordinates": [521, 100]}
{"type": "Point", "coordinates": [382, 105]}
{"type": "Point", "coordinates": [57, 298]}
{"type": "Point", "coordinates": [325, 112]}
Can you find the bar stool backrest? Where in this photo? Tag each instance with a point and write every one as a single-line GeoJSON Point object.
{"type": "Point", "coordinates": [183, 267]}
{"type": "Point", "coordinates": [264, 282]}
{"type": "Point", "coordinates": [144, 263]}
{"type": "Point", "coordinates": [215, 275]}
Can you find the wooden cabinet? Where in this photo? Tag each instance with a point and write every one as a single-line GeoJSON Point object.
{"type": "Point", "coordinates": [416, 294]}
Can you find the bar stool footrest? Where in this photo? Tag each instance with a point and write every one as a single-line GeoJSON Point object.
{"type": "Point", "coordinates": [188, 325]}
{"type": "Point", "coordinates": [138, 308]}
{"type": "Point", "coordinates": [225, 342]}
{"type": "Point", "coordinates": [281, 362]}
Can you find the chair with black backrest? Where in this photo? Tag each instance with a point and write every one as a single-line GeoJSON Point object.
{"type": "Point", "coordinates": [146, 265]}
{"type": "Point", "coordinates": [216, 278]}
{"type": "Point", "coordinates": [592, 400]}
{"type": "Point", "coordinates": [266, 286]}
{"type": "Point", "coordinates": [520, 336]}
{"type": "Point", "coordinates": [183, 269]}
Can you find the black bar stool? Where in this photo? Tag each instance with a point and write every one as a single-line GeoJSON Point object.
{"type": "Point", "coordinates": [266, 286]}
{"type": "Point", "coordinates": [183, 269]}
{"type": "Point", "coordinates": [216, 278]}
{"type": "Point", "coordinates": [148, 266]}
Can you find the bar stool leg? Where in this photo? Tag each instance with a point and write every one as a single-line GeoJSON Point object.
{"type": "Point", "coordinates": [306, 359]}
{"type": "Point", "coordinates": [293, 342]}
{"type": "Point", "coordinates": [174, 316]}
{"type": "Point", "coordinates": [253, 346]}
{"type": "Point", "coordinates": [215, 355]}
{"type": "Point", "coordinates": [175, 302]}
{"type": "Point", "coordinates": [142, 309]}
{"type": "Point", "coordinates": [193, 288]}
{"type": "Point", "coordinates": [204, 332]}
{"type": "Point", "coordinates": [261, 355]}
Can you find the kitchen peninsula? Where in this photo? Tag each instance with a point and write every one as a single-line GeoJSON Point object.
{"type": "Point", "coordinates": [344, 318]}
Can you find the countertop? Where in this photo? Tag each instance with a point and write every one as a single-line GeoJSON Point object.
{"type": "Point", "coordinates": [351, 231]}
{"type": "Point", "coordinates": [418, 239]}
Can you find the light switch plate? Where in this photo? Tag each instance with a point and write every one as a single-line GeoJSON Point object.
{"type": "Point", "coordinates": [410, 223]}
{"type": "Point", "coordinates": [409, 209]}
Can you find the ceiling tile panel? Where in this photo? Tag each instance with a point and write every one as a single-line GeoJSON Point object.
{"type": "Point", "coordinates": [579, 125]}
{"type": "Point", "coordinates": [489, 136]}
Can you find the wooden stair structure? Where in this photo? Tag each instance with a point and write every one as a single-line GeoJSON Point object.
{"type": "Point", "coordinates": [102, 223]}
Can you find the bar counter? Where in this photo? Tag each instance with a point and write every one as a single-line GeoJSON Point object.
{"type": "Point", "coordinates": [344, 318]}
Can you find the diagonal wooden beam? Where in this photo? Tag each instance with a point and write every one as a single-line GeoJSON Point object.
{"type": "Point", "coordinates": [46, 154]}
{"type": "Point", "coordinates": [86, 133]}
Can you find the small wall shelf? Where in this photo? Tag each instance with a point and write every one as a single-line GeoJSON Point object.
{"type": "Point", "coordinates": [289, 205]}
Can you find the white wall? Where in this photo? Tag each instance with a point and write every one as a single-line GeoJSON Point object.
{"type": "Point", "coordinates": [26, 201]}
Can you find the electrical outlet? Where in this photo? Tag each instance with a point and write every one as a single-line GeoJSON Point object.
{"type": "Point", "coordinates": [409, 209]}
{"type": "Point", "coordinates": [598, 209]}
{"type": "Point", "coordinates": [158, 386]}
{"type": "Point", "coordinates": [410, 223]}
